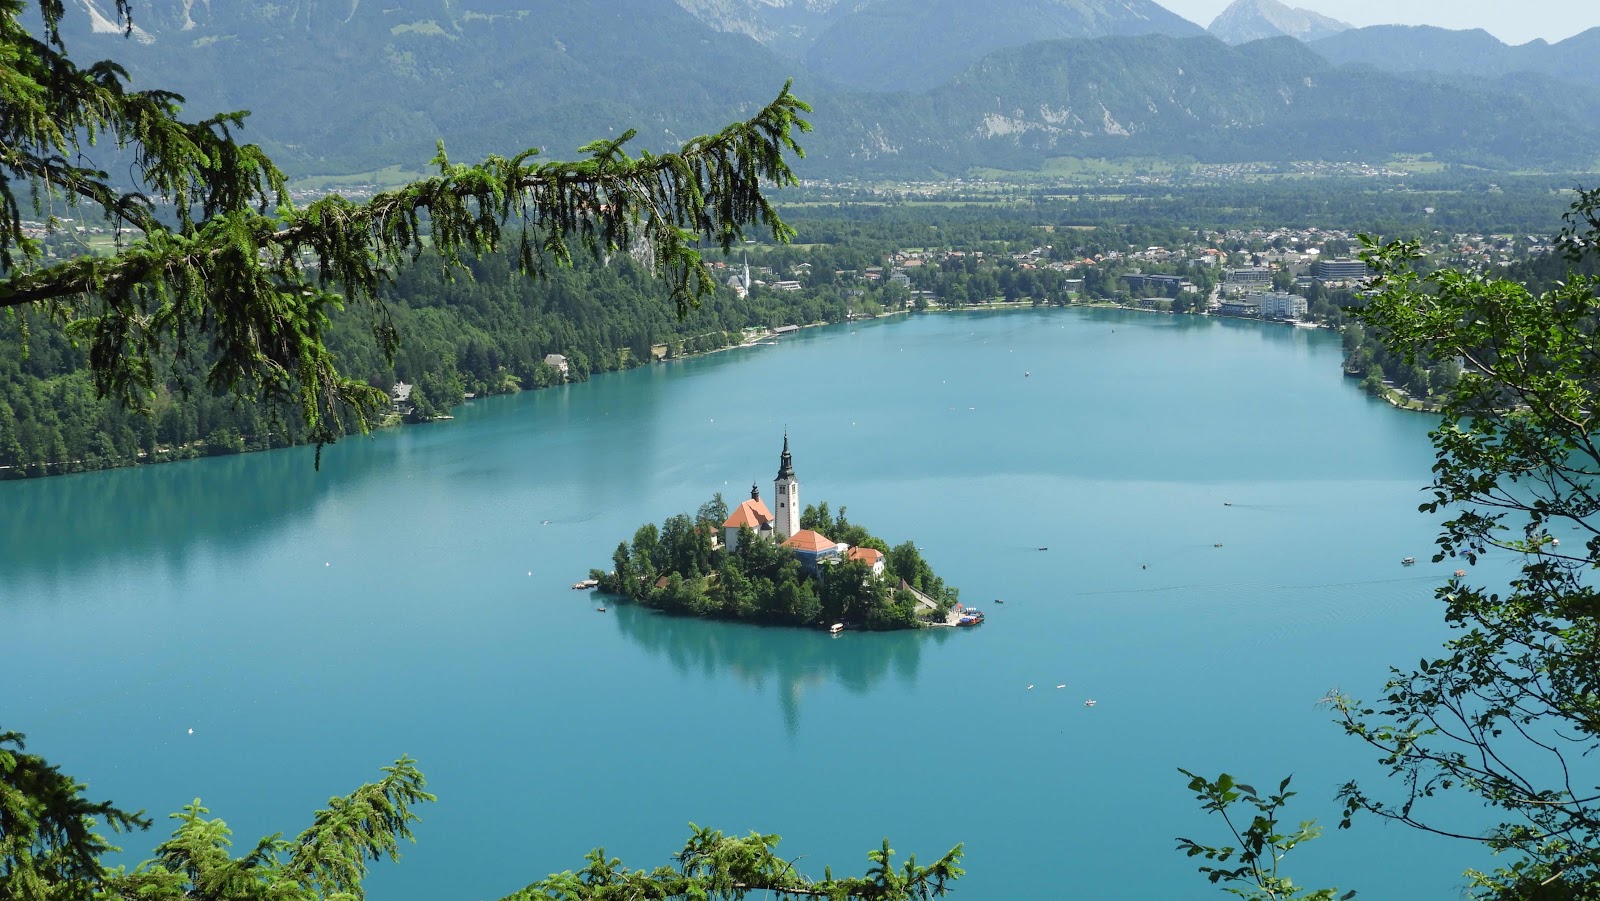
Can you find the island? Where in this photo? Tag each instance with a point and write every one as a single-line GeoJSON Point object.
{"type": "Point", "coordinates": [779, 566]}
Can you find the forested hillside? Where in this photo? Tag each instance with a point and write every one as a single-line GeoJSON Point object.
{"type": "Point", "coordinates": [484, 331]}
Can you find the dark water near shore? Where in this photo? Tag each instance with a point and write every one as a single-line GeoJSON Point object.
{"type": "Point", "coordinates": [311, 626]}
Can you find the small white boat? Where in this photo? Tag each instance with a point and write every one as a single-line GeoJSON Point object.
{"type": "Point", "coordinates": [1089, 703]}
{"type": "Point", "coordinates": [836, 628]}
{"type": "Point", "coordinates": [1407, 561]}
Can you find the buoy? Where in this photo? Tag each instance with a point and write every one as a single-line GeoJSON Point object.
{"type": "Point", "coordinates": [327, 564]}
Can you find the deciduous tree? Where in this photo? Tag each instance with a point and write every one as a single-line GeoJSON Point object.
{"type": "Point", "coordinates": [1510, 712]}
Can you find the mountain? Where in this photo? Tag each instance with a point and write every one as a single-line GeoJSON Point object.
{"type": "Point", "coordinates": [340, 85]}
{"type": "Point", "coordinates": [1199, 99]}
{"type": "Point", "coordinates": [890, 45]}
{"type": "Point", "coordinates": [1252, 20]}
{"type": "Point", "coordinates": [786, 26]}
{"type": "Point", "coordinates": [1424, 48]}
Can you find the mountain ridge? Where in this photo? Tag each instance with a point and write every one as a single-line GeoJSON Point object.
{"type": "Point", "coordinates": [1470, 52]}
{"type": "Point", "coordinates": [345, 87]}
{"type": "Point", "coordinates": [1251, 20]}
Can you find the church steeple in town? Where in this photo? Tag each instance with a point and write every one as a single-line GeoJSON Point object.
{"type": "Point", "coordinates": [786, 494]}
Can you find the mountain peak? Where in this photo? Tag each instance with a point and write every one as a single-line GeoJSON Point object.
{"type": "Point", "coordinates": [1252, 20]}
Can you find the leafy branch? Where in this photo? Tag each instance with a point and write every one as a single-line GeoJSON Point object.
{"type": "Point", "coordinates": [1259, 845]}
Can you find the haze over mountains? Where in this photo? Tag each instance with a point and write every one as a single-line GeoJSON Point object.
{"type": "Point", "coordinates": [901, 87]}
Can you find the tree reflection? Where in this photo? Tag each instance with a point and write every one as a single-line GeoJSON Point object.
{"type": "Point", "coordinates": [789, 659]}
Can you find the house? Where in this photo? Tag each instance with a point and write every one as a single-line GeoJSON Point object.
{"type": "Point", "coordinates": [558, 363]}
{"type": "Point", "coordinates": [871, 556]}
{"type": "Point", "coordinates": [813, 549]}
{"type": "Point", "coordinates": [400, 398]}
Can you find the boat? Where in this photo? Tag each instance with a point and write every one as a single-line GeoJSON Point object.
{"type": "Point", "coordinates": [585, 584]}
{"type": "Point", "coordinates": [836, 628]}
{"type": "Point", "coordinates": [1089, 703]}
{"type": "Point", "coordinates": [599, 609]}
{"type": "Point", "coordinates": [1044, 549]}
{"type": "Point", "coordinates": [998, 601]}
{"type": "Point", "coordinates": [1460, 573]}
{"type": "Point", "coordinates": [972, 617]}
{"type": "Point", "coordinates": [1407, 561]}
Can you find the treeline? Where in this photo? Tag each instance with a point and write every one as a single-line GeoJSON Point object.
{"type": "Point", "coordinates": [1418, 205]}
{"type": "Point", "coordinates": [486, 331]}
{"type": "Point", "coordinates": [479, 331]}
{"type": "Point", "coordinates": [682, 568]}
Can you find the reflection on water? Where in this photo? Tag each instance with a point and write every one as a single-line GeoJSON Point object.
{"type": "Point", "coordinates": [62, 527]}
{"type": "Point", "coordinates": [789, 659]}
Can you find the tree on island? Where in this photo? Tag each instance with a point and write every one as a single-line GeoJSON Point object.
{"type": "Point", "coordinates": [214, 261]}
{"type": "Point", "coordinates": [51, 850]}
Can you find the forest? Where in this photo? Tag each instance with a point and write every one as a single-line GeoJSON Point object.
{"type": "Point", "coordinates": [482, 330]}
{"type": "Point", "coordinates": [485, 329]}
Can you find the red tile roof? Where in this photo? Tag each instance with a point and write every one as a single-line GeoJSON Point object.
{"type": "Point", "coordinates": [809, 540]}
{"type": "Point", "coordinates": [752, 513]}
{"type": "Point", "coordinates": [868, 555]}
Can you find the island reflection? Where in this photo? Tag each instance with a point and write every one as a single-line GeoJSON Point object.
{"type": "Point", "coordinates": [791, 659]}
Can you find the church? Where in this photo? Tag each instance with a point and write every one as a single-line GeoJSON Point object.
{"type": "Point", "coordinates": [783, 526]}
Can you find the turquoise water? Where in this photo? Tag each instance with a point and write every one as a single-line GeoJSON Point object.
{"type": "Point", "coordinates": [410, 598]}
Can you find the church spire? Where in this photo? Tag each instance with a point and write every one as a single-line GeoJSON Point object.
{"type": "Point", "coordinates": [785, 462]}
{"type": "Point", "coordinates": [786, 494]}
{"type": "Point", "coordinates": [755, 492]}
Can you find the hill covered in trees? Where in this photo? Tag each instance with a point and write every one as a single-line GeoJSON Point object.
{"type": "Point", "coordinates": [482, 331]}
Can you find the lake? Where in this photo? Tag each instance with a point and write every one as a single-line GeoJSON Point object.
{"type": "Point", "coordinates": [1225, 516]}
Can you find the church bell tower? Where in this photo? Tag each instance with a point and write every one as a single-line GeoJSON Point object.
{"type": "Point", "coordinates": [786, 496]}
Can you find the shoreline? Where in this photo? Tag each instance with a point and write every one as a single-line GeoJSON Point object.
{"type": "Point", "coordinates": [1391, 396]}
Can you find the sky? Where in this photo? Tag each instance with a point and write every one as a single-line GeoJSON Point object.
{"type": "Point", "coordinates": [1514, 23]}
